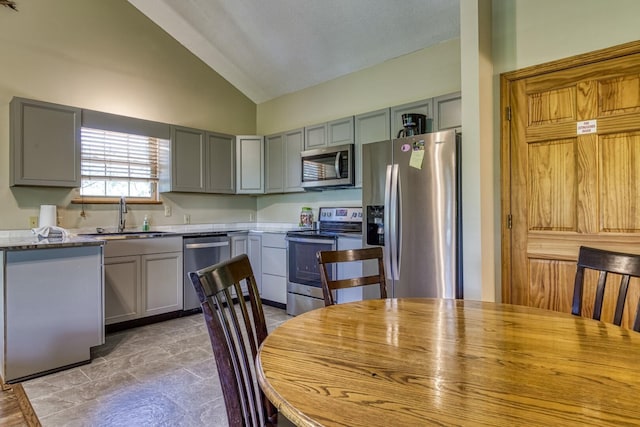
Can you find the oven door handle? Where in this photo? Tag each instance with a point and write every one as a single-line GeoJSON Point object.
{"type": "Point", "coordinates": [312, 240]}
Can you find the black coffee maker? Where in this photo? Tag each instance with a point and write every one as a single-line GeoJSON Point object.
{"type": "Point", "coordinates": [413, 124]}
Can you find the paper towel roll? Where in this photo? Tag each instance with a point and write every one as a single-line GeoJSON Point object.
{"type": "Point", "coordinates": [48, 216]}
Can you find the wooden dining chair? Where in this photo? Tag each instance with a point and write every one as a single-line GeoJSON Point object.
{"type": "Point", "coordinates": [625, 265]}
{"type": "Point", "coordinates": [236, 330]}
{"type": "Point", "coordinates": [326, 258]}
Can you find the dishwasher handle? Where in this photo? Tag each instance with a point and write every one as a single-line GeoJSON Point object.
{"type": "Point", "coordinates": [206, 245]}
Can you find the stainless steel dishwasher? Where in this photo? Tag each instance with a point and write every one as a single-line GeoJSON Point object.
{"type": "Point", "coordinates": [199, 252]}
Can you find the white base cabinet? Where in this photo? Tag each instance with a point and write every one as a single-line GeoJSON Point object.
{"type": "Point", "coordinates": [255, 257]}
{"type": "Point", "coordinates": [143, 277]}
{"type": "Point", "coordinates": [52, 310]}
{"type": "Point", "coordinates": [274, 268]}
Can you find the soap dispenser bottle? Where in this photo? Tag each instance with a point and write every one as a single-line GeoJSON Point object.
{"type": "Point", "coordinates": [145, 224]}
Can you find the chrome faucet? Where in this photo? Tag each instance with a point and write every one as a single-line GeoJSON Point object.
{"type": "Point", "coordinates": [122, 209]}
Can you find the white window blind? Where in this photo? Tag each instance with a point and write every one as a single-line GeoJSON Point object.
{"type": "Point", "coordinates": [117, 164]}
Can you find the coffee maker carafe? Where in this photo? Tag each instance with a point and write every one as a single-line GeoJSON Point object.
{"type": "Point", "coordinates": [413, 124]}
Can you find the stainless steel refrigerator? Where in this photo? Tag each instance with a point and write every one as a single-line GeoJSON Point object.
{"type": "Point", "coordinates": [411, 199]}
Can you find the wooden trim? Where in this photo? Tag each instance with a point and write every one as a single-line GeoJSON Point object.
{"type": "Point", "coordinates": [625, 49]}
{"type": "Point", "coordinates": [506, 81]}
{"type": "Point", "coordinates": [112, 201]}
{"type": "Point", "coordinates": [505, 188]}
{"type": "Point", "coordinates": [25, 406]}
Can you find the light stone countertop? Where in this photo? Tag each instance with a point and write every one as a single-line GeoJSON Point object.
{"type": "Point", "coordinates": [28, 242]}
{"type": "Point", "coordinates": [25, 239]}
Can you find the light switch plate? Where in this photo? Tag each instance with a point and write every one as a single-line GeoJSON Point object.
{"type": "Point", "coordinates": [167, 210]}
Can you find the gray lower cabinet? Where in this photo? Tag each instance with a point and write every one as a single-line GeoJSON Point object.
{"type": "Point", "coordinates": [143, 277]}
{"type": "Point", "coordinates": [44, 144]}
{"type": "Point", "coordinates": [370, 127]}
{"type": "Point", "coordinates": [274, 267]}
{"type": "Point", "coordinates": [197, 161]}
{"type": "Point", "coordinates": [254, 249]}
{"type": "Point", "coordinates": [52, 309]}
{"type": "Point", "coordinates": [250, 244]}
{"type": "Point", "coordinates": [348, 270]}
{"type": "Point", "coordinates": [283, 166]}
{"type": "Point", "coordinates": [249, 164]}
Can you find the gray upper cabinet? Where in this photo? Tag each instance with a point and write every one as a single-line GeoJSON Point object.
{"type": "Point", "coordinates": [249, 164]}
{"type": "Point", "coordinates": [186, 168]}
{"type": "Point", "coordinates": [221, 160]}
{"type": "Point", "coordinates": [45, 144]}
{"type": "Point", "coordinates": [335, 132]}
{"type": "Point", "coordinates": [422, 107]}
{"type": "Point", "coordinates": [274, 166]}
{"type": "Point", "coordinates": [370, 127]}
{"type": "Point", "coordinates": [198, 162]}
{"type": "Point", "coordinates": [340, 131]}
{"type": "Point", "coordinates": [293, 145]}
{"type": "Point", "coordinates": [315, 136]}
{"type": "Point", "coordinates": [283, 166]}
{"type": "Point", "coordinates": [447, 111]}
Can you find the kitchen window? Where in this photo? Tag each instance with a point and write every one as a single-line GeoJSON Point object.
{"type": "Point", "coordinates": [115, 164]}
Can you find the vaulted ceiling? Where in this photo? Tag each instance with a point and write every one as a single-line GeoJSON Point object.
{"type": "Point", "coordinates": [268, 48]}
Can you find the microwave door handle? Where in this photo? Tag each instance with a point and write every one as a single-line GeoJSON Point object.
{"type": "Point", "coordinates": [337, 165]}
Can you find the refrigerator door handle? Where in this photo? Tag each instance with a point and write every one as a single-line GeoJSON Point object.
{"type": "Point", "coordinates": [393, 224]}
{"type": "Point", "coordinates": [387, 224]}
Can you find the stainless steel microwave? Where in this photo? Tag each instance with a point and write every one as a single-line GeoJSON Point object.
{"type": "Point", "coordinates": [328, 167]}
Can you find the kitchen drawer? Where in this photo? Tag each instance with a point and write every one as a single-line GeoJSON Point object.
{"type": "Point", "coordinates": [274, 240]}
{"type": "Point", "coordinates": [274, 260]}
{"type": "Point", "coordinates": [274, 288]}
{"type": "Point", "coordinates": [151, 245]}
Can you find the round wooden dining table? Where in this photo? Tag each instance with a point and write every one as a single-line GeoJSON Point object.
{"type": "Point", "coordinates": [420, 362]}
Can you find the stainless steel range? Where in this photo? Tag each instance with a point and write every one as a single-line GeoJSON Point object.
{"type": "Point", "coordinates": [304, 288]}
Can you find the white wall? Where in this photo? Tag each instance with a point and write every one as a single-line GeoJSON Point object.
{"type": "Point", "coordinates": [107, 56]}
{"type": "Point", "coordinates": [480, 258]}
{"type": "Point", "coordinates": [531, 32]}
{"type": "Point", "coordinates": [286, 207]}
{"type": "Point", "coordinates": [424, 74]}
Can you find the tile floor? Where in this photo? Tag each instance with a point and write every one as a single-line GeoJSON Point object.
{"type": "Point", "coordinates": [158, 375]}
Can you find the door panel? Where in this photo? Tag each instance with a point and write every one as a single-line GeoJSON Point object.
{"type": "Point", "coordinates": [620, 182]}
{"type": "Point", "coordinates": [567, 187]}
{"type": "Point", "coordinates": [552, 177]}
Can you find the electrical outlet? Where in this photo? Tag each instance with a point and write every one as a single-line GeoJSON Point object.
{"type": "Point", "coordinates": [167, 210]}
{"type": "Point", "coordinates": [33, 222]}
{"type": "Point", "coordinates": [250, 216]}
{"type": "Point", "coordinates": [187, 219]}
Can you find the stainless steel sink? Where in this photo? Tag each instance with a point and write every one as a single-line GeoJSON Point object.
{"type": "Point", "coordinates": [128, 235]}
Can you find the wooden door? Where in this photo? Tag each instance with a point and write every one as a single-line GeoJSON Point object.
{"type": "Point", "coordinates": [570, 172]}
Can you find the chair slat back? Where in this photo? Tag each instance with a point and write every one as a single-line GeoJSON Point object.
{"type": "Point", "coordinates": [625, 265]}
{"type": "Point", "coordinates": [326, 258]}
{"type": "Point", "coordinates": [236, 330]}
